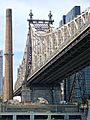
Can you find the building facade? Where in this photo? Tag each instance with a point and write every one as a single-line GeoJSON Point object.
{"type": "Point", "coordinates": [74, 12]}
{"type": "Point", "coordinates": [77, 84]}
{"type": "Point", "coordinates": [1, 72]}
{"type": "Point", "coordinates": [87, 80]}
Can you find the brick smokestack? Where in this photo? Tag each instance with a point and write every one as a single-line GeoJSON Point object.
{"type": "Point", "coordinates": [8, 80]}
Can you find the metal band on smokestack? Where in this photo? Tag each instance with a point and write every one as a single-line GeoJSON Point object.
{"type": "Point", "coordinates": [8, 80]}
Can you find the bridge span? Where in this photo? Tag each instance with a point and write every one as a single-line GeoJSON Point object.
{"type": "Point", "coordinates": [55, 53]}
{"type": "Point", "coordinates": [71, 59]}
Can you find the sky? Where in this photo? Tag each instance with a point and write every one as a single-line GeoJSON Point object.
{"type": "Point", "coordinates": [20, 12]}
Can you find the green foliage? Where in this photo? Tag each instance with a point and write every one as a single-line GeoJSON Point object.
{"type": "Point", "coordinates": [1, 98]}
{"type": "Point", "coordinates": [50, 119]}
{"type": "Point", "coordinates": [88, 101]}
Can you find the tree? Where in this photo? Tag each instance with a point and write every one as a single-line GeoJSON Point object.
{"type": "Point", "coordinates": [1, 98]}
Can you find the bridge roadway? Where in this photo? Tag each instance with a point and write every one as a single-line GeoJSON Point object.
{"type": "Point", "coordinates": [71, 59]}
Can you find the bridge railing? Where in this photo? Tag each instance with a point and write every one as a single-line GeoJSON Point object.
{"type": "Point", "coordinates": [46, 45]}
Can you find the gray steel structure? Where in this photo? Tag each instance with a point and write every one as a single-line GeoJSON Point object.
{"type": "Point", "coordinates": [56, 53]}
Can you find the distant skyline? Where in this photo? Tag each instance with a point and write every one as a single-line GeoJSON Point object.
{"type": "Point", "coordinates": [20, 12]}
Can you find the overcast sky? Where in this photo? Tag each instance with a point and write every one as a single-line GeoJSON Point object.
{"type": "Point", "coordinates": [20, 12]}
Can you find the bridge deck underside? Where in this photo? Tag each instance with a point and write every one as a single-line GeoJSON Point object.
{"type": "Point", "coordinates": [73, 58]}
{"type": "Point", "coordinates": [70, 60]}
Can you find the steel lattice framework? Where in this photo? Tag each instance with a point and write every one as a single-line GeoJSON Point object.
{"type": "Point", "coordinates": [42, 46]}
{"type": "Point", "coordinates": [78, 88]}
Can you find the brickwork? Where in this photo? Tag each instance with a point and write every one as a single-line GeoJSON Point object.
{"type": "Point", "coordinates": [8, 80]}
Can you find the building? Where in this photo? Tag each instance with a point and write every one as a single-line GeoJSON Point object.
{"type": "Point", "coordinates": [87, 80]}
{"type": "Point", "coordinates": [1, 72]}
{"type": "Point", "coordinates": [38, 111]}
{"type": "Point", "coordinates": [84, 85]}
{"type": "Point", "coordinates": [74, 12]}
{"type": "Point", "coordinates": [63, 21]}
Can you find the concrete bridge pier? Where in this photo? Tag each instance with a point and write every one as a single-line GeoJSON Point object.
{"type": "Point", "coordinates": [51, 94]}
{"type": "Point", "coordinates": [56, 95]}
{"type": "Point", "coordinates": [25, 93]}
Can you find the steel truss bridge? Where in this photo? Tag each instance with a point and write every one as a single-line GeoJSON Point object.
{"type": "Point", "coordinates": [52, 54]}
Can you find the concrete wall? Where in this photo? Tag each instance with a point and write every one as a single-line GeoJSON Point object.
{"type": "Point", "coordinates": [52, 95]}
